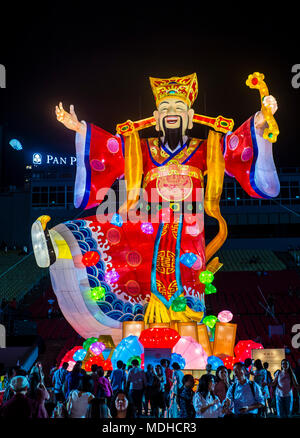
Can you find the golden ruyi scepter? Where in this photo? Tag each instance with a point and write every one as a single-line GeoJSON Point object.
{"type": "Point", "coordinates": [256, 81]}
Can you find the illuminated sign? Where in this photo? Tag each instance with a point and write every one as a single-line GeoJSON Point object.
{"type": "Point", "coordinates": [52, 160]}
{"type": "Point", "coordinates": [37, 158]}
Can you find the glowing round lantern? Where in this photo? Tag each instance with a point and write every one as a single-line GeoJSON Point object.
{"type": "Point", "coordinates": [89, 342]}
{"type": "Point", "coordinates": [90, 258]}
{"type": "Point", "coordinates": [96, 360]}
{"type": "Point", "coordinates": [193, 353]}
{"type": "Point", "coordinates": [127, 348]}
{"type": "Point", "coordinates": [112, 276]}
{"type": "Point", "coordinates": [188, 259]}
{"type": "Point", "coordinates": [215, 362]}
{"type": "Point", "coordinates": [225, 316]}
{"type": "Point", "coordinates": [79, 355]}
{"type": "Point", "coordinates": [159, 338]}
{"type": "Point", "coordinates": [210, 321]}
{"type": "Point", "coordinates": [243, 349]}
{"type": "Point", "coordinates": [206, 277]}
{"type": "Point", "coordinates": [98, 293]}
{"type": "Point", "coordinates": [210, 289]}
{"type": "Point", "coordinates": [179, 304]}
{"type": "Point", "coordinates": [147, 228]}
{"type": "Point", "coordinates": [117, 220]}
{"type": "Point", "coordinates": [138, 358]}
{"type": "Point", "coordinates": [228, 361]}
{"type": "Point", "coordinates": [96, 348]}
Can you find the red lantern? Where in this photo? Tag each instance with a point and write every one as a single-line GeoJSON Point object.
{"type": "Point", "coordinates": [228, 361]}
{"type": "Point", "coordinates": [69, 355]}
{"type": "Point", "coordinates": [90, 258]}
{"type": "Point", "coordinates": [159, 338]}
{"type": "Point", "coordinates": [105, 364]}
{"type": "Point", "coordinates": [243, 349]}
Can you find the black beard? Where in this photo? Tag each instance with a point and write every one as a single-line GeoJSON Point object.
{"type": "Point", "coordinates": [173, 137]}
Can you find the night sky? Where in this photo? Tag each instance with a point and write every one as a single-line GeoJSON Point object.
{"type": "Point", "coordinates": [100, 60]}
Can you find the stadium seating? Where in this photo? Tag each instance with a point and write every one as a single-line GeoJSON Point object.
{"type": "Point", "coordinates": [18, 274]}
{"type": "Point", "coordinates": [242, 292]}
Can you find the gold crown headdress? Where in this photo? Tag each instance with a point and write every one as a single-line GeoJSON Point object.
{"type": "Point", "coordinates": [185, 88]}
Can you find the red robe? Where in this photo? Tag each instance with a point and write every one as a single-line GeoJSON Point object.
{"type": "Point", "coordinates": [151, 263]}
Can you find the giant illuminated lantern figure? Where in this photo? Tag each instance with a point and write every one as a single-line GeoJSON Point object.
{"type": "Point", "coordinates": [143, 262]}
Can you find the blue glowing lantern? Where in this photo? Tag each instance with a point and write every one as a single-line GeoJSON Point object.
{"type": "Point", "coordinates": [188, 259]}
{"type": "Point", "coordinates": [215, 362]}
{"type": "Point", "coordinates": [117, 220]}
{"type": "Point", "coordinates": [126, 349]}
{"type": "Point", "coordinates": [79, 355]}
{"type": "Point", "coordinates": [175, 357]}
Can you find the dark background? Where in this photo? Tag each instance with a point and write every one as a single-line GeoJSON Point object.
{"type": "Point", "coordinates": [100, 60]}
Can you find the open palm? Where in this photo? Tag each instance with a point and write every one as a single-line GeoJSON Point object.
{"type": "Point", "coordinates": [70, 120]}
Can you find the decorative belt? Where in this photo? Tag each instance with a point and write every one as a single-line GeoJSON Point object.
{"type": "Point", "coordinates": [173, 169]}
{"type": "Point", "coordinates": [178, 207]}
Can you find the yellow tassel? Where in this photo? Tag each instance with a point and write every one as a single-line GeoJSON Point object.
{"type": "Point", "coordinates": [214, 187]}
{"type": "Point", "coordinates": [157, 312]}
{"type": "Point", "coordinates": [133, 170]}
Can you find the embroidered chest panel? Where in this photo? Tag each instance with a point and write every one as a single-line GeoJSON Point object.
{"type": "Point", "coordinates": [160, 156]}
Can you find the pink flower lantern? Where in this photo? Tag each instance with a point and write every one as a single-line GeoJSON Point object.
{"type": "Point", "coordinates": [193, 353]}
{"type": "Point", "coordinates": [225, 316]}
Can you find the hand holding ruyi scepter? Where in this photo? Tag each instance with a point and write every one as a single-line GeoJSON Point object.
{"type": "Point", "coordinates": [268, 107]}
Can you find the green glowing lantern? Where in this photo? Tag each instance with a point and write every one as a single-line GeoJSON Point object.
{"type": "Point", "coordinates": [179, 304]}
{"type": "Point", "coordinates": [98, 293]}
{"type": "Point", "coordinates": [89, 342]}
{"type": "Point", "coordinates": [132, 358]}
{"type": "Point", "coordinates": [210, 321]}
{"type": "Point", "coordinates": [206, 277]}
{"type": "Point", "coordinates": [210, 289]}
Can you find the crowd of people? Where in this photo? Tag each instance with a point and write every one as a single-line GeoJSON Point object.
{"type": "Point", "coordinates": [159, 391]}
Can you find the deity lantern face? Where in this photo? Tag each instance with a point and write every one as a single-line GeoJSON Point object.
{"type": "Point", "coordinates": [173, 112]}
{"type": "Point", "coordinates": [174, 98]}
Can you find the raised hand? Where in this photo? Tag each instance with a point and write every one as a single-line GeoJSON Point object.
{"type": "Point", "coordinates": [269, 102]}
{"type": "Point", "coordinates": [68, 119]}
